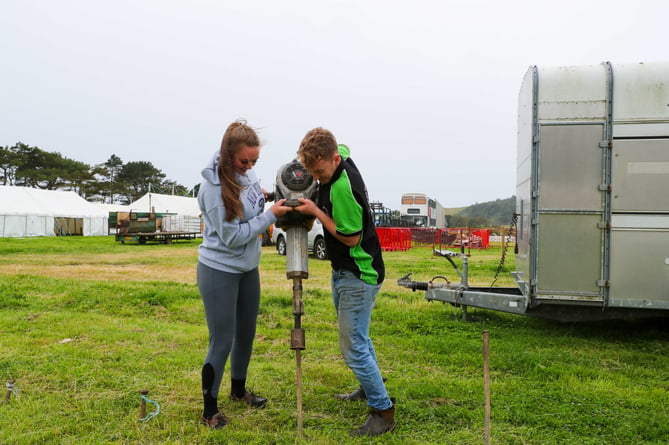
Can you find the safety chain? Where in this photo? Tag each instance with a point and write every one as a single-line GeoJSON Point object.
{"type": "Point", "coordinates": [514, 223]}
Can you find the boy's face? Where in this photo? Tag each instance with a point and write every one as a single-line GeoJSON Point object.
{"type": "Point", "coordinates": [323, 169]}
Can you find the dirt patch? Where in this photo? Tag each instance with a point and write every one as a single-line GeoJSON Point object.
{"type": "Point", "coordinates": [175, 267]}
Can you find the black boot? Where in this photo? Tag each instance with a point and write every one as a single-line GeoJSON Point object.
{"type": "Point", "coordinates": [378, 422]}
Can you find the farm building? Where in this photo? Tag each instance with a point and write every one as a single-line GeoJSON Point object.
{"type": "Point", "coordinates": [26, 212]}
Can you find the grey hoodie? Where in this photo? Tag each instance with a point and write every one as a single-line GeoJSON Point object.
{"type": "Point", "coordinates": [232, 246]}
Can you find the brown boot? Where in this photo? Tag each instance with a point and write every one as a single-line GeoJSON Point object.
{"type": "Point", "coordinates": [217, 421]}
{"type": "Point", "coordinates": [358, 394]}
{"type": "Point", "coordinates": [378, 422]}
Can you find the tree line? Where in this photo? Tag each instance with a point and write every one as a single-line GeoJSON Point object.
{"type": "Point", "coordinates": [118, 182]}
{"type": "Point", "coordinates": [112, 182]}
{"type": "Point", "coordinates": [486, 214]}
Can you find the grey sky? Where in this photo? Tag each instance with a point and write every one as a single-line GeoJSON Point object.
{"type": "Point", "coordinates": [424, 92]}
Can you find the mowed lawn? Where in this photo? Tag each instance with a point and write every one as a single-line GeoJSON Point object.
{"type": "Point", "coordinates": [87, 323]}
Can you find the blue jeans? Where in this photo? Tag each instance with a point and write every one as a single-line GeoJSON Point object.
{"type": "Point", "coordinates": [353, 300]}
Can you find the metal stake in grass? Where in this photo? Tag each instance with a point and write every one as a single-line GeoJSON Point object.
{"type": "Point", "coordinates": [486, 380]}
{"type": "Point", "coordinates": [142, 414]}
{"type": "Point", "coordinates": [297, 268]}
{"type": "Point", "coordinates": [145, 400]}
{"type": "Point", "coordinates": [10, 390]}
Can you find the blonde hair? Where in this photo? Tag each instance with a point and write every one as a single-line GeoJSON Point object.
{"type": "Point", "coordinates": [317, 144]}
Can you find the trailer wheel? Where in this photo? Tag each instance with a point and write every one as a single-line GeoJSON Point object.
{"type": "Point", "coordinates": [141, 240]}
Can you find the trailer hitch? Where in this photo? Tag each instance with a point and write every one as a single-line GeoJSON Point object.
{"type": "Point", "coordinates": [406, 281]}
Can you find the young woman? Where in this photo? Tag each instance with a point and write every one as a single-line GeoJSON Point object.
{"type": "Point", "coordinates": [232, 204]}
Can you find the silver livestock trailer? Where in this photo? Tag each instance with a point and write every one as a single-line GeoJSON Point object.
{"type": "Point", "coordinates": [592, 197]}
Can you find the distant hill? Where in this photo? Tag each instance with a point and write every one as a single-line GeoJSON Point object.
{"type": "Point", "coordinates": [485, 214]}
{"type": "Point", "coordinates": [453, 210]}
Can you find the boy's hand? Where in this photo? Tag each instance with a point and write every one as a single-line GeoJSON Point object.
{"type": "Point", "coordinates": [307, 207]}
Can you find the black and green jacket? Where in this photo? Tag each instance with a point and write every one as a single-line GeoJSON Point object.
{"type": "Point", "coordinates": [345, 200]}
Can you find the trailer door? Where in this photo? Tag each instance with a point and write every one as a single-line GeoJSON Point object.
{"type": "Point", "coordinates": [570, 209]}
{"type": "Point", "coordinates": [640, 223]}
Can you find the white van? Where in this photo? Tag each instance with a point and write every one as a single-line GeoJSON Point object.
{"type": "Point", "coordinates": [315, 241]}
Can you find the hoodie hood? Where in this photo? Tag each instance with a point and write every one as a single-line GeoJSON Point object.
{"type": "Point", "coordinates": [210, 173]}
{"type": "Point", "coordinates": [232, 246]}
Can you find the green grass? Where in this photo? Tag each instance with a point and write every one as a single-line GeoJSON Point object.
{"type": "Point", "coordinates": [86, 323]}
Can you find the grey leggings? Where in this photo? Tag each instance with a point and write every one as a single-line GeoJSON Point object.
{"type": "Point", "coordinates": [231, 304]}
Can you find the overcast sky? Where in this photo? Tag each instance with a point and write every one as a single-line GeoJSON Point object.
{"type": "Point", "coordinates": [424, 92]}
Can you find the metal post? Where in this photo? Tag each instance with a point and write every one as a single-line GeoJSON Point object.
{"type": "Point", "coordinates": [297, 344]}
{"type": "Point", "coordinates": [297, 268]}
{"type": "Point", "coordinates": [143, 392]}
{"type": "Point", "coordinates": [465, 282]}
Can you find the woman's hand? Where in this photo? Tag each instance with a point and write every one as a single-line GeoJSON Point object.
{"type": "Point", "coordinates": [279, 209]}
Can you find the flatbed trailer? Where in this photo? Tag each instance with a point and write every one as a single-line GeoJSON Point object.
{"type": "Point", "coordinates": [156, 237]}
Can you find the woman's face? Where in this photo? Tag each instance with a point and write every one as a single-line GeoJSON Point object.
{"type": "Point", "coordinates": [246, 158]}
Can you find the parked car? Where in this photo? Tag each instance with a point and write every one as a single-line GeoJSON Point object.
{"type": "Point", "coordinates": [315, 241]}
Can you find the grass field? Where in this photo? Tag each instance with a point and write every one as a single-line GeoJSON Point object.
{"type": "Point", "coordinates": [86, 323]}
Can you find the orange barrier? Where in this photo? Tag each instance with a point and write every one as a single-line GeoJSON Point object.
{"type": "Point", "coordinates": [401, 238]}
{"type": "Point", "coordinates": [394, 238]}
{"type": "Point", "coordinates": [482, 236]}
{"type": "Point", "coordinates": [452, 237]}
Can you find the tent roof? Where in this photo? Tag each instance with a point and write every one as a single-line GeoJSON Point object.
{"type": "Point", "coordinates": [112, 207]}
{"type": "Point", "coordinates": [32, 201]}
{"type": "Point", "coordinates": [180, 205]}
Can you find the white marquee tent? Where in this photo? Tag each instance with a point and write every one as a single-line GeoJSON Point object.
{"type": "Point", "coordinates": [112, 207]}
{"type": "Point", "coordinates": [158, 203]}
{"type": "Point", "coordinates": [26, 211]}
{"type": "Point", "coordinates": [182, 213]}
